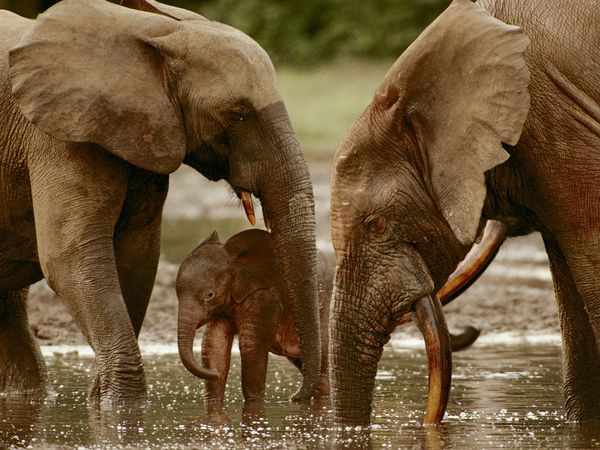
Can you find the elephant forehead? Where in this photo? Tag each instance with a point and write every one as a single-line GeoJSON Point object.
{"type": "Point", "coordinates": [244, 69]}
{"type": "Point", "coordinates": [360, 181]}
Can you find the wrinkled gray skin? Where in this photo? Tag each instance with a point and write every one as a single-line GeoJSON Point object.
{"type": "Point", "coordinates": [450, 141]}
{"type": "Point", "coordinates": [98, 104]}
{"type": "Point", "coordinates": [236, 288]}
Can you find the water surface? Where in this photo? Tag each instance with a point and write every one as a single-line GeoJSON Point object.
{"type": "Point", "coordinates": [502, 396]}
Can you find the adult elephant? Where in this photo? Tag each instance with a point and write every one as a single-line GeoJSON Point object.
{"type": "Point", "coordinates": [98, 104]}
{"type": "Point", "coordinates": [449, 141]}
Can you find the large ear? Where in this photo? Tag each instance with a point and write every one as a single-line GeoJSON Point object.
{"type": "Point", "coordinates": [84, 73]}
{"type": "Point", "coordinates": [160, 8]}
{"type": "Point", "coordinates": [255, 263]}
{"type": "Point", "coordinates": [462, 90]}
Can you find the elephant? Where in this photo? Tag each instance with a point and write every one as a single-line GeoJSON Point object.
{"type": "Point", "coordinates": [99, 103]}
{"type": "Point", "coordinates": [236, 288]}
{"type": "Point", "coordinates": [492, 113]}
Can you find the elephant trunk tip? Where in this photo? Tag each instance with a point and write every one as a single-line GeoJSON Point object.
{"type": "Point", "coordinates": [185, 344]}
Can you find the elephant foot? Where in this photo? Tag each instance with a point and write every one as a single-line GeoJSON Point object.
{"type": "Point", "coordinates": [121, 385]}
{"type": "Point", "coordinates": [24, 371]}
{"type": "Point", "coordinates": [22, 368]}
{"type": "Point", "coordinates": [24, 376]}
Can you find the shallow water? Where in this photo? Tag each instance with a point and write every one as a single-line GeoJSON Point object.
{"type": "Point", "coordinates": [501, 397]}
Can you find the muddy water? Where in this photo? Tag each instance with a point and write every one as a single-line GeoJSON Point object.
{"type": "Point", "coordinates": [503, 396]}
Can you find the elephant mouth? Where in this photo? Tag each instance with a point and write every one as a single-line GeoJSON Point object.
{"type": "Point", "coordinates": [248, 206]}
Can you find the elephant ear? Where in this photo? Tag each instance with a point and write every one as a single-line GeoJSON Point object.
{"type": "Point", "coordinates": [85, 73]}
{"type": "Point", "coordinates": [160, 8]}
{"type": "Point", "coordinates": [256, 266]}
{"type": "Point", "coordinates": [462, 90]}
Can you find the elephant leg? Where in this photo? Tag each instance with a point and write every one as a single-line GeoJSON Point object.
{"type": "Point", "coordinates": [581, 359]}
{"type": "Point", "coordinates": [216, 355]}
{"type": "Point", "coordinates": [78, 195]}
{"type": "Point", "coordinates": [22, 368]}
{"type": "Point", "coordinates": [257, 319]}
{"type": "Point", "coordinates": [137, 243]}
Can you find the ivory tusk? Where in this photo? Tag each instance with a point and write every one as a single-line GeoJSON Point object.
{"type": "Point", "coordinates": [248, 207]}
{"type": "Point", "coordinates": [479, 257]}
{"type": "Point", "coordinates": [468, 271]}
{"type": "Point", "coordinates": [431, 322]}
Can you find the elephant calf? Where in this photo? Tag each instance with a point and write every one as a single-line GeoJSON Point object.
{"type": "Point", "coordinates": [237, 288]}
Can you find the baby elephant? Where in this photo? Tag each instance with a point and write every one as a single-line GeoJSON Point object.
{"type": "Point", "coordinates": [237, 288]}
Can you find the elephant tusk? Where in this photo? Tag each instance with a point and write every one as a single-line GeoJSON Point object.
{"type": "Point", "coordinates": [248, 207]}
{"type": "Point", "coordinates": [431, 322]}
{"type": "Point", "coordinates": [479, 257]}
{"type": "Point", "coordinates": [468, 271]}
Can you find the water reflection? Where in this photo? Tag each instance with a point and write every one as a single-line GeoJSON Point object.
{"type": "Point", "coordinates": [19, 419]}
{"type": "Point", "coordinates": [501, 397]}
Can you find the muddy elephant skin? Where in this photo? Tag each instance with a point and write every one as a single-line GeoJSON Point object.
{"type": "Point", "coordinates": [491, 114]}
{"type": "Point", "coordinates": [99, 103]}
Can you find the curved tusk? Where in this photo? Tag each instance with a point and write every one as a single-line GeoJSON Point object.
{"type": "Point", "coordinates": [477, 260]}
{"type": "Point", "coordinates": [431, 322]}
{"type": "Point", "coordinates": [472, 267]}
{"type": "Point", "coordinates": [248, 207]}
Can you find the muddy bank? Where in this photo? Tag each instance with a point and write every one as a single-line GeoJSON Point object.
{"type": "Point", "coordinates": [514, 295]}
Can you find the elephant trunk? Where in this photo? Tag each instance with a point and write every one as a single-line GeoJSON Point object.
{"type": "Point", "coordinates": [360, 326]}
{"type": "Point", "coordinates": [355, 348]}
{"type": "Point", "coordinates": [190, 318]}
{"type": "Point", "coordinates": [287, 199]}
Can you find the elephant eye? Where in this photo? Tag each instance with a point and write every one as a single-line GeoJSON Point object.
{"type": "Point", "coordinates": [210, 295]}
{"type": "Point", "coordinates": [237, 115]}
{"type": "Point", "coordinates": [376, 224]}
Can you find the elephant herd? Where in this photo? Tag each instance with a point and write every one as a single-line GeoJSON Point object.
{"type": "Point", "coordinates": [487, 126]}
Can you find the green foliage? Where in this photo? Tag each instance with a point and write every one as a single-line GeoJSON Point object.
{"type": "Point", "coordinates": [314, 31]}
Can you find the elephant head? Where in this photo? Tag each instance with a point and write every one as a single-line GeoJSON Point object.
{"type": "Point", "coordinates": [158, 86]}
{"type": "Point", "coordinates": [408, 187]}
{"type": "Point", "coordinates": [215, 278]}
